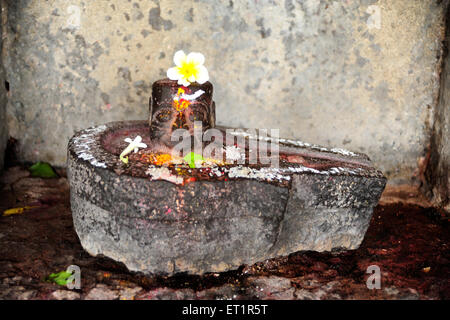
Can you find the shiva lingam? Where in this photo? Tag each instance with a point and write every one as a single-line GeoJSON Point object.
{"type": "Point", "coordinates": [174, 107]}
{"type": "Point", "coordinates": [141, 196]}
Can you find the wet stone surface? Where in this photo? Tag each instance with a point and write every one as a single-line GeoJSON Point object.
{"type": "Point", "coordinates": [166, 220]}
{"type": "Point", "coordinates": [406, 239]}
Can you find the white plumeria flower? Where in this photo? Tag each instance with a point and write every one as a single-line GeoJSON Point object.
{"type": "Point", "coordinates": [133, 145]}
{"type": "Point", "coordinates": [188, 68]}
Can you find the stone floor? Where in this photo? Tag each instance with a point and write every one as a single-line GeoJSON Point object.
{"type": "Point", "coordinates": [407, 239]}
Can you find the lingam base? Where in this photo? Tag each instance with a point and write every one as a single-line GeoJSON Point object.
{"type": "Point", "coordinates": [160, 220]}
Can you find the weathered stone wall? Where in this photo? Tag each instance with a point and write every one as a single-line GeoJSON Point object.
{"type": "Point", "coordinates": [437, 175]}
{"type": "Point", "coordinates": [363, 75]}
{"type": "Point", "coordinates": [3, 93]}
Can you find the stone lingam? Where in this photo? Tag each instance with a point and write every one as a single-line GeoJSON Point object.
{"type": "Point", "coordinates": [179, 194]}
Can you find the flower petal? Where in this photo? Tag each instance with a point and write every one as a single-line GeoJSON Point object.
{"type": "Point", "coordinates": [173, 73]}
{"type": "Point", "coordinates": [179, 58]}
{"type": "Point", "coordinates": [202, 75]}
{"type": "Point", "coordinates": [185, 82]}
{"type": "Point", "coordinates": [196, 57]}
{"type": "Point", "coordinates": [191, 78]}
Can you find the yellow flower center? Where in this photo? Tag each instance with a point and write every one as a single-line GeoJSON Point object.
{"type": "Point", "coordinates": [188, 69]}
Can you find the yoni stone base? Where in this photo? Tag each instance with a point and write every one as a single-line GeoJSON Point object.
{"type": "Point", "coordinates": [214, 225]}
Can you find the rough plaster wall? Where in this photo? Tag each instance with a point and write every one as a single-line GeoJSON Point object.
{"type": "Point", "coordinates": [437, 174]}
{"type": "Point", "coordinates": [321, 71]}
{"type": "Point", "coordinates": [3, 93]}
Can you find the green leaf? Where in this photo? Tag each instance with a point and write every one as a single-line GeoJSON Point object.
{"type": "Point", "coordinates": [59, 278]}
{"type": "Point", "coordinates": [191, 157]}
{"type": "Point", "coordinates": [42, 170]}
